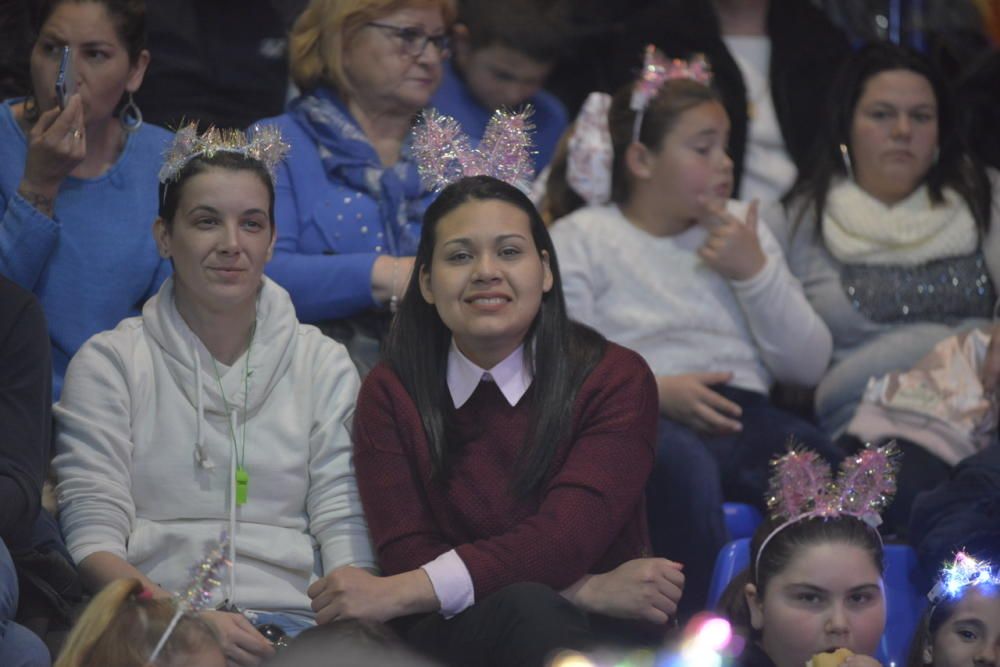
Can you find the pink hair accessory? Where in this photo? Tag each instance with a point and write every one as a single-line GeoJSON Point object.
{"type": "Point", "coordinates": [657, 69]}
{"type": "Point", "coordinates": [444, 153]}
{"type": "Point", "coordinates": [588, 165]}
{"type": "Point", "coordinates": [802, 488]}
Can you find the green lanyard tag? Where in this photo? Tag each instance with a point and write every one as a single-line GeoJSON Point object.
{"type": "Point", "coordinates": [242, 485]}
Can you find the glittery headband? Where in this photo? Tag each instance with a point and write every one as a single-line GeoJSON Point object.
{"type": "Point", "coordinates": [261, 142]}
{"type": "Point", "coordinates": [198, 594]}
{"type": "Point", "coordinates": [656, 71]}
{"type": "Point", "coordinates": [962, 573]}
{"type": "Point", "coordinates": [444, 153]}
{"type": "Point", "coordinates": [802, 487]}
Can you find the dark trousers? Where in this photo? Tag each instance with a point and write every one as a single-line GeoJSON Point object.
{"type": "Point", "coordinates": [695, 473]}
{"type": "Point", "coordinates": [518, 626]}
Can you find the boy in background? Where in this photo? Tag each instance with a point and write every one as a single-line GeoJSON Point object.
{"type": "Point", "coordinates": [502, 54]}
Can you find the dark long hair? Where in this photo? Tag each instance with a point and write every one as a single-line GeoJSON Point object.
{"type": "Point", "coordinates": [954, 167]}
{"type": "Point", "coordinates": [561, 353]}
{"type": "Point", "coordinates": [783, 548]}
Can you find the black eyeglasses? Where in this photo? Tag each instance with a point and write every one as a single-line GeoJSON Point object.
{"type": "Point", "coordinates": [413, 41]}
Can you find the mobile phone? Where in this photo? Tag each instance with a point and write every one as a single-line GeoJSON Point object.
{"type": "Point", "coordinates": [66, 78]}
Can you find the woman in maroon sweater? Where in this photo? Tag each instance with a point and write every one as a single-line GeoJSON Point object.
{"type": "Point", "coordinates": [501, 453]}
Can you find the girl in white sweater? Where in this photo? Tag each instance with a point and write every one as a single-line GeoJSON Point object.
{"type": "Point", "coordinates": [214, 410]}
{"type": "Point", "coordinates": [673, 269]}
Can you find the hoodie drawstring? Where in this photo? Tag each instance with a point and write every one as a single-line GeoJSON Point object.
{"type": "Point", "coordinates": [200, 456]}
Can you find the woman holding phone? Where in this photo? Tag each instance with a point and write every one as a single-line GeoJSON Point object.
{"type": "Point", "coordinates": [78, 173]}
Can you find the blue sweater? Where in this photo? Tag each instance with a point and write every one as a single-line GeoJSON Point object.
{"type": "Point", "coordinates": [95, 262]}
{"type": "Point", "coordinates": [329, 233]}
{"type": "Point", "coordinates": [454, 99]}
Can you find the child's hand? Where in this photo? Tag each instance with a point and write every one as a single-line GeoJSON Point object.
{"type": "Point", "coordinates": [732, 248]}
{"type": "Point", "coordinates": [644, 588]}
{"type": "Point", "coordinates": [241, 643]}
{"type": "Point", "coordinates": [861, 661]}
{"type": "Point", "coordinates": [689, 400]}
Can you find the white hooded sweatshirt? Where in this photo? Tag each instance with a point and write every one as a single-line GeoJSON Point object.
{"type": "Point", "coordinates": [144, 453]}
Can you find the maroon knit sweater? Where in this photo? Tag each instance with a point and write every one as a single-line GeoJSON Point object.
{"type": "Point", "coordinates": [588, 518]}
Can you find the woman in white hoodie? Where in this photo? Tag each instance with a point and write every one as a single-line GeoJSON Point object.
{"type": "Point", "coordinates": [215, 410]}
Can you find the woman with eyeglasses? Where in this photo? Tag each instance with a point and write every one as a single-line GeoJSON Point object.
{"type": "Point", "coordinates": [349, 198]}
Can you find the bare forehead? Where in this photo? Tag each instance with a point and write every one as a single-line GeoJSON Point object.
{"type": "Point", "coordinates": [707, 118]}
{"type": "Point", "coordinates": [223, 184]}
{"type": "Point", "coordinates": [982, 603]}
{"type": "Point", "coordinates": [483, 221]}
{"type": "Point", "coordinates": [84, 21]}
{"type": "Point", "coordinates": [899, 87]}
{"type": "Point", "coordinates": [831, 565]}
{"type": "Point", "coordinates": [427, 18]}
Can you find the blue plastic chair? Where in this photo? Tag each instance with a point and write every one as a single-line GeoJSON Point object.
{"type": "Point", "coordinates": [741, 519]}
{"type": "Point", "coordinates": [904, 599]}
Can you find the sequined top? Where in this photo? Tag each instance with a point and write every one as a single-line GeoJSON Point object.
{"type": "Point", "coordinates": [944, 290]}
{"type": "Point", "coordinates": [892, 317]}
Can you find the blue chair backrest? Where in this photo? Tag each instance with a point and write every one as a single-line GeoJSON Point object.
{"type": "Point", "coordinates": [904, 599]}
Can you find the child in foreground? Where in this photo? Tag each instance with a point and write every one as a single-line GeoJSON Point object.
{"type": "Point", "coordinates": [813, 594]}
{"type": "Point", "coordinates": [122, 626]}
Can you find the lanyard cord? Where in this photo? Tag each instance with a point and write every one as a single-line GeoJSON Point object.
{"type": "Point", "coordinates": [241, 450]}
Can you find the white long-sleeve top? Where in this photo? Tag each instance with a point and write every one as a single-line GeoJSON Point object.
{"type": "Point", "coordinates": [656, 296]}
{"type": "Point", "coordinates": [137, 402]}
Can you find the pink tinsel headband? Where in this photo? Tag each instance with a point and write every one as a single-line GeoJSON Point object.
{"type": "Point", "coordinates": [444, 153]}
{"type": "Point", "coordinates": [656, 71]}
{"type": "Point", "coordinates": [802, 487]}
{"type": "Point", "coordinates": [591, 153]}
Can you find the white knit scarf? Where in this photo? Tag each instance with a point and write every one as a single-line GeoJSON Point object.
{"type": "Point", "coordinates": [859, 229]}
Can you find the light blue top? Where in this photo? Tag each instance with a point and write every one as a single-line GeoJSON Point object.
{"type": "Point", "coordinates": [95, 262]}
{"type": "Point", "coordinates": [454, 99]}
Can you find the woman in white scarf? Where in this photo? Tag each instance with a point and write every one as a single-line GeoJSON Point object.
{"type": "Point", "coordinates": [889, 230]}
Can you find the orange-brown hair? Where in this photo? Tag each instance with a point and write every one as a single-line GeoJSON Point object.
{"type": "Point", "coordinates": [325, 28]}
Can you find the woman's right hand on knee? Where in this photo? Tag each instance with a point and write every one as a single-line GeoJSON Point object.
{"type": "Point", "coordinates": [689, 400]}
{"type": "Point", "coordinates": [647, 589]}
{"type": "Point", "coordinates": [241, 643]}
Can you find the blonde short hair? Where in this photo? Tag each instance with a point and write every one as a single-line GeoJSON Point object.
{"type": "Point", "coordinates": [322, 31]}
{"type": "Point", "coordinates": [120, 627]}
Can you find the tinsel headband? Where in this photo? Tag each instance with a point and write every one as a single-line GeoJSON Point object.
{"type": "Point", "coordinates": [656, 71]}
{"type": "Point", "coordinates": [198, 593]}
{"type": "Point", "coordinates": [261, 142]}
{"type": "Point", "coordinates": [444, 153]}
{"type": "Point", "coordinates": [802, 487]}
{"type": "Point", "coordinates": [591, 151]}
{"type": "Point", "coordinates": [962, 573]}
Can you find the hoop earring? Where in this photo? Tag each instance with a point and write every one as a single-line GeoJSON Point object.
{"type": "Point", "coordinates": [845, 156]}
{"type": "Point", "coordinates": [130, 116]}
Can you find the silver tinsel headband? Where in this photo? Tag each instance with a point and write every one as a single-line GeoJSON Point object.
{"type": "Point", "coordinates": [261, 142]}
